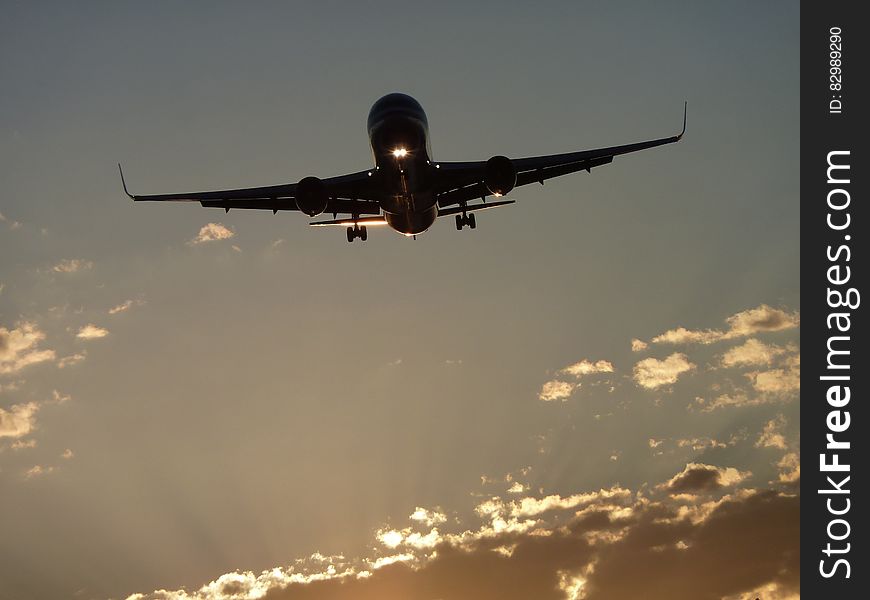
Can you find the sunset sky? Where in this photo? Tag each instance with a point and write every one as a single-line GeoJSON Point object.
{"type": "Point", "coordinates": [592, 395]}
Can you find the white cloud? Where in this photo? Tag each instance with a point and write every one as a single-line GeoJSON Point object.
{"type": "Point", "coordinates": [587, 367]}
{"type": "Point", "coordinates": [652, 373]}
{"type": "Point", "coordinates": [700, 443]}
{"type": "Point", "coordinates": [531, 506]}
{"type": "Point", "coordinates": [556, 390]}
{"type": "Point", "coordinates": [58, 398]}
{"type": "Point", "coordinates": [638, 345]}
{"type": "Point", "coordinates": [212, 232]}
{"type": "Point", "coordinates": [790, 468]}
{"type": "Point", "coordinates": [121, 307]}
{"type": "Point", "coordinates": [92, 332]}
{"type": "Point", "coordinates": [22, 444]}
{"type": "Point", "coordinates": [67, 454]}
{"type": "Point", "coordinates": [681, 335]}
{"type": "Point", "coordinates": [771, 436]}
{"type": "Point", "coordinates": [429, 517]}
{"type": "Point", "coordinates": [72, 265]}
{"type": "Point", "coordinates": [517, 488]}
{"type": "Point", "coordinates": [752, 352]}
{"type": "Point", "coordinates": [36, 471]}
{"type": "Point", "coordinates": [748, 322]}
{"type": "Point", "coordinates": [778, 381]}
{"type": "Point", "coordinates": [72, 359]}
{"type": "Point", "coordinates": [19, 420]}
{"type": "Point", "coordinates": [390, 537]}
{"type": "Point", "coordinates": [18, 348]}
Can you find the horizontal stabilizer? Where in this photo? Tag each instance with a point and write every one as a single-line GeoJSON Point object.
{"type": "Point", "coordinates": [348, 222]}
{"type": "Point", "coordinates": [456, 210]}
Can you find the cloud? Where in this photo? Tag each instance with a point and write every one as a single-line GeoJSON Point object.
{"type": "Point", "coordinates": [587, 367]}
{"type": "Point", "coordinates": [19, 420]}
{"type": "Point", "coordinates": [428, 517]}
{"type": "Point", "coordinates": [557, 390]}
{"type": "Point", "coordinates": [58, 398]}
{"type": "Point", "coordinates": [67, 454]}
{"type": "Point", "coordinates": [72, 265]}
{"type": "Point", "coordinates": [780, 384]}
{"type": "Point", "coordinates": [652, 373]}
{"type": "Point", "coordinates": [37, 471]}
{"type": "Point", "coordinates": [517, 488]}
{"type": "Point", "coordinates": [761, 319]}
{"type": "Point", "coordinates": [18, 348]}
{"type": "Point", "coordinates": [771, 436]}
{"type": "Point", "coordinates": [790, 468]}
{"type": "Point", "coordinates": [638, 345]}
{"type": "Point", "coordinates": [625, 548]}
{"type": "Point", "coordinates": [22, 444]}
{"type": "Point", "coordinates": [92, 332]}
{"type": "Point", "coordinates": [681, 335]}
{"type": "Point", "coordinates": [752, 352]}
{"type": "Point", "coordinates": [72, 359]}
{"type": "Point", "coordinates": [780, 381]}
{"type": "Point", "coordinates": [125, 306]}
{"type": "Point", "coordinates": [531, 506]}
{"type": "Point", "coordinates": [698, 477]}
{"type": "Point", "coordinates": [10, 224]}
{"type": "Point", "coordinates": [212, 232]}
{"type": "Point", "coordinates": [700, 443]}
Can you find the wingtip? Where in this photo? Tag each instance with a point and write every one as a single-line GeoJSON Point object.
{"type": "Point", "coordinates": [685, 112]}
{"type": "Point", "coordinates": [124, 183]}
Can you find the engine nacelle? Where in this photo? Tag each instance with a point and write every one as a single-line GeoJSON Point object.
{"type": "Point", "coordinates": [311, 196]}
{"type": "Point", "coordinates": [500, 175]}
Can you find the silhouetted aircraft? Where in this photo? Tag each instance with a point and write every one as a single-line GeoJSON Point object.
{"type": "Point", "coordinates": [406, 189]}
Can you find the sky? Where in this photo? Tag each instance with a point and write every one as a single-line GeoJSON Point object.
{"type": "Point", "coordinates": [594, 394]}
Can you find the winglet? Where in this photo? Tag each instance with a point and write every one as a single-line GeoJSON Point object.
{"type": "Point", "coordinates": [124, 183]}
{"type": "Point", "coordinates": [685, 110]}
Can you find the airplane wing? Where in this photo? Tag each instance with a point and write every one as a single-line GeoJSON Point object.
{"type": "Point", "coordinates": [351, 194]}
{"type": "Point", "coordinates": [463, 181]}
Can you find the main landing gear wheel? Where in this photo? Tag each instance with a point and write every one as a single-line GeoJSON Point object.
{"type": "Point", "coordinates": [463, 220]}
{"type": "Point", "coordinates": [357, 232]}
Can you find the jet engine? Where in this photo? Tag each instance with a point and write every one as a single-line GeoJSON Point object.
{"type": "Point", "coordinates": [500, 175]}
{"type": "Point", "coordinates": [311, 196]}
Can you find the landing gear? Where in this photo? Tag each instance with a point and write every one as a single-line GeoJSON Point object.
{"type": "Point", "coordinates": [357, 232]}
{"type": "Point", "coordinates": [463, 220]}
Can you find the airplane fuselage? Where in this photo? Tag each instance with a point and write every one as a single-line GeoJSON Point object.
{"type": "Point", "coordinates": [399, 135]}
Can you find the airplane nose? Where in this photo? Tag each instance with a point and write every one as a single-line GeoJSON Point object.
{"type": "Point", "coordinates": [398, 132]}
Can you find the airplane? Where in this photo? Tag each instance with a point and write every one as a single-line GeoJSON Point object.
{"type": "Point", "coordinates": [406, 189]}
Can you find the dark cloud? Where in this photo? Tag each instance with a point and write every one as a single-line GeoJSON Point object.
{"type": "Point", "coordinates": [702, 478]}
{"type": "Point", "coordinates": [654, 552]}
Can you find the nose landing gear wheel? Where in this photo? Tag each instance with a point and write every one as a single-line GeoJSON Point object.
{"type": "Point", "coordinates": [350, 234]}
{"type": "Point", "coordinates": [459, 222]}
{"type": "Point", "coordinates": [471, 221]}
{"type": "Point", "coordinates": [363, 233]}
